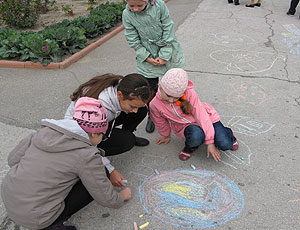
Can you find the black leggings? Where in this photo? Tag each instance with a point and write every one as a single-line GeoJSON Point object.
{"type": "Point", "coordinates": [78, 198]}
{"type": "Point", "coordinates": [122, 139]}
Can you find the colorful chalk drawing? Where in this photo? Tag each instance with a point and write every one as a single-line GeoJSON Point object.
{"type": "Point", "coordinates": [292, 39]}
{"type": "Point", "coordinates": [244, 61]}
{"type": "Point", "coordinates": [244, 94]}
{"type": "Point", "coordinates": [233, 39]}
{"type": "Point", "coordinates": [191, 198]}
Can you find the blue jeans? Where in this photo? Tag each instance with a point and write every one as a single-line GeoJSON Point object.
{"type": "Point", "coordinates": [194, 137]}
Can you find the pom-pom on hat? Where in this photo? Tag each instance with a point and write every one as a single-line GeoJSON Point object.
{"type": "Point", "coordinates": [174, 82]}
{"type": "Point", "coordinates": [90, 115]}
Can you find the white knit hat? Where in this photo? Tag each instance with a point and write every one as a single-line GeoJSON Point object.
{"type": "Point", "coordinates": [174, 82]}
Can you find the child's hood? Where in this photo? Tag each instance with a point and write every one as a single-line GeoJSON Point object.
{"type": "Point", "coordinates": [60, 135]}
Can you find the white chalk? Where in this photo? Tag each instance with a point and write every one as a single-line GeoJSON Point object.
{"type": "Point", "coordinates": [124, 182]}
{"type": "Point", "coordinates": [193, 167]}
{"type": "Point", "coordinates": [156, 171]}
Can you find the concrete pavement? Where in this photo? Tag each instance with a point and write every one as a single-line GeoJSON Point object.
{"type": "Point", "coordinates": [244, 62]}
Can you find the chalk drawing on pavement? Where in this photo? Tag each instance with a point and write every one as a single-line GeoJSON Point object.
{"type": "Point", "coordinates": [296, 200]}
{"type": "Point", "coordinates": [298, 191]}
{"type": "Point", "coordinates": [236, 158]}
{"type": "Point", "coordinates": [191, 198]}
{"type": "Point", "coordinates": [292, 38]}
{"type": "Point", "coordinates": [232, 39]}
{"type": "Point", "coordinates": [248, 126]}
{"type": "Point", "coordinates": [244, 61]}
{"type": "Point", "coordinates": [246, 94]}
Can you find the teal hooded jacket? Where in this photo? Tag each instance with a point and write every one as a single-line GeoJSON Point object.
{"type": "Point", "coordinates": [151, 33]}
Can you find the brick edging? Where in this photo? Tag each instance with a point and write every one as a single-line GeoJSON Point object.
{"type": "Point", "coordinates": [67, 62]}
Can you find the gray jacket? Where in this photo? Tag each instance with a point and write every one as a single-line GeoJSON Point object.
{"type": "Point", "coordinates": [45, 166]}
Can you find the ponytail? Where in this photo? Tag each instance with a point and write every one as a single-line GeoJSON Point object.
{"type": "Point", "coordinates": [184, 105]}
{"type": "Point", "coordinates": [93, 87]}
{"type": "Point", "coordinates": [132, 86]}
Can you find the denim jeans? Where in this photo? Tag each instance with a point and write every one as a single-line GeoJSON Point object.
{"type": "Point", "coordinates": [194, 137]}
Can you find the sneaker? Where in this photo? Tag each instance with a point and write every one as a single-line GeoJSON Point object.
{"type": "Point", "coordinates": [236, 2]}
{"type": "Point", "coordinates": [140, 141]}
{"type": "Point", "coordinates": [235, 145]}
{"type": "Point", "coordinates": [290, 13]}
{"type": "Point", "coordinates": [230, 1]}
{"type": "Point", "coordinates": [150, 127]}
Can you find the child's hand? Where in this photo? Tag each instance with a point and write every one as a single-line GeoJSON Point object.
{"type": "Point", "coordinates": [152, 61]}
{"type": "Point", "coordinates": [126, 193]}
{"type": "Point", "coordinates": [211, 149]}
{"type": "Point", "coordinates": [116, 178]}
{"type": "Point", "coordinates": [160, 61]}
{"type": "Point", "coordinates": [165, 140]}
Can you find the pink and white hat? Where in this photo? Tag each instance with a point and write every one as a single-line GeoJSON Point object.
{"type": "Point", "coordinates": [175, 82]}
{"type": "Point", "coordinates": [90, 115]}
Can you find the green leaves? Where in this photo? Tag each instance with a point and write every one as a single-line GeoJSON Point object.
{"type": "Point", "coordinates": [64, 38]}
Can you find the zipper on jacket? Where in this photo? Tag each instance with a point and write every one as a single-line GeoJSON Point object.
{"type": "Point", "coordinates": [182, 118]}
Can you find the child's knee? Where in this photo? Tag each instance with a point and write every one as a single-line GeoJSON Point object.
{"type": "Point", "coordinates": [224, 144]}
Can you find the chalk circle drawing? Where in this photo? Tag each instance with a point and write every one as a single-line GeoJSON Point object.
{"type": "Point", "coordinates": [233, 39]}
{"type": "Point", "coordinates": [249, 126]}
{"type": "Point", "coordinates": [244, 61]}
{"type": "Point", "coordinates": [292, 39]}
{"type": "Point", "coordinates": [191, 198]}
{"type": "Point", "coordinates": [246, 94]}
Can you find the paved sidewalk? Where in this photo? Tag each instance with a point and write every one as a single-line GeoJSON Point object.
{"type": "Point", "coordinates": [244, 62]}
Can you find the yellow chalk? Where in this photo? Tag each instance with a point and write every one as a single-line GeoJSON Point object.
{"type": "Point", "coordinates": [140, 216]}
{"type": "Point", "coordinates": [144, 225]}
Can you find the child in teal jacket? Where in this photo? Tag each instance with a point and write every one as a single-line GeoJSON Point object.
{"type": "Point", "coordinates": [150, 31]}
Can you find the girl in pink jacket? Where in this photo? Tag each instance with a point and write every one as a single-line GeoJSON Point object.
{"type": "Point", "coordinates": [177, 106]}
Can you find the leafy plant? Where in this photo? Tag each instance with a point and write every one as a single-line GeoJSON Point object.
{"type": "Point", "coordinates": [19, 13]}
{"type": "Point", "coordinates": [69, 39]}
{"type": "Point", "coordinates": [9, 44]}
{"type": "Point", "coordinates": [67, 9]}
{"type": "Point", "coordinates": [38, 49]}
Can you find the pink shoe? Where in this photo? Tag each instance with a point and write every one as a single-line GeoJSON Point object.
{"type": "Point", "coordinates": [235, 145]}
{"type": "Point", "coordinates": [184, 156]}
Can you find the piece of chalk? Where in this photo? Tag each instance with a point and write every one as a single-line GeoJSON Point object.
{"type": "Point", "coordinates": [199, 167]}
{"type": "Point", "coordinates": [144, 225]}
{"type": "Point", "coordinates": [124, 181]}
{"type": "Point", "coordinates": [135, 226]}
{"type": "Point", "coordinates": [242, 158]}
{"type": "Point", "coordinates": [140, 216]}
{"type": "Point", "coordinates": [193, 167]}
{"type": "Point", "coordinates": [156, 171]}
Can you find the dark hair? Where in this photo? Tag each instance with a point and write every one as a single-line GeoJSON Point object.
{"type": "Point", "coordinates": [131, 86]}
{"type": "Point", "coordinates": [135, 85]}
{"type": "Point", "coordinates": [185, 106]}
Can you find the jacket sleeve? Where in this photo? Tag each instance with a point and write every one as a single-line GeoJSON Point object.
{"type": "Point", "coordinates": [161, 124]}
{"type": "Point", "coordinates": [201, 116]}
{"type": "Point", "coordinates": [107, 164]}
{"type": "Point", "coordinates": [133, 38]}
{"type": "Point", "coordinates": [168, 36]}
{"type": "Point", "coordinates": [18, 152]}
{"type": "Point", "coordinates": [93, 177]}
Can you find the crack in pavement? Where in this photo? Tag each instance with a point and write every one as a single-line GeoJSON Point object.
{"type": "Point", "coordinates": [243, 76]}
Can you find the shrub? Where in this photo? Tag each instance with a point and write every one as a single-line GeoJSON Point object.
{"type": "Point", "coordinates": [19, 13]}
